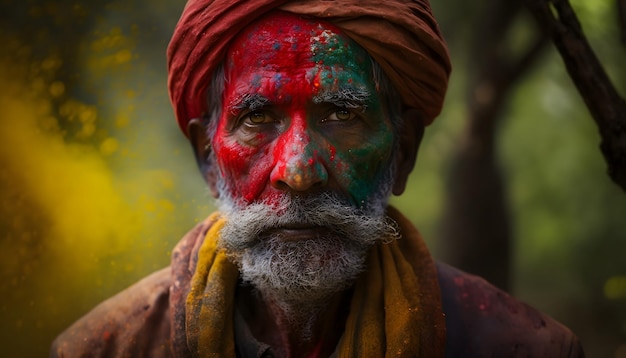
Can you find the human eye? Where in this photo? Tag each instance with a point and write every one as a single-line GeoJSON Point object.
{"type": "Point", "coordinates": [257, 118]}
{"type": "Point", "coordinates": [340, 115]}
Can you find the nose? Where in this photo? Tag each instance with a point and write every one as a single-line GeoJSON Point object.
{"type": "Point", "coordinates": [299, 166]}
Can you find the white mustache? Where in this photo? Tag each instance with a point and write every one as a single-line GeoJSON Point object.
{"type": "Point", "coordinates": [326, 210]}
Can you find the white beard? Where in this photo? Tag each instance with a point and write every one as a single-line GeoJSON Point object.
{"type": "Point", "coordinates": [305, 272]}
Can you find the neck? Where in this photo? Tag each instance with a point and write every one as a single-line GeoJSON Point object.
{"type": "Point", "coordinates": [295, 329]}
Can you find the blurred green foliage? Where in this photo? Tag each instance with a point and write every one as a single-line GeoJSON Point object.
{"type": "Point", "coordinates": [97, 184]}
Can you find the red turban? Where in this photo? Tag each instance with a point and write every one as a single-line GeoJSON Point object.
{"type": "Point", "coordinates": [401, 35]}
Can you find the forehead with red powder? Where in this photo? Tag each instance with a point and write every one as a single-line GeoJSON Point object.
{"type": "Point", "coordinates": [284, 39]}
{"type": "Point", "coordinates": [295, 73]}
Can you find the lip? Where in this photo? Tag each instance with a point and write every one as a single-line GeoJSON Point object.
{"type": "Point", "coordinates": [297, 232]}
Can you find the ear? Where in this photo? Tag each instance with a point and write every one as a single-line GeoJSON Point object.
{"type": "Point", "coordinates": [201, 144]}
{"type": "Point", "coordinates": [410, 135]}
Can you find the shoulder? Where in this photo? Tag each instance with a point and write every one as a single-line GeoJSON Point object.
{"type": "Point", "coordinates": [134, 323]}
{"type": "Point", "coordinates": [484, 321]}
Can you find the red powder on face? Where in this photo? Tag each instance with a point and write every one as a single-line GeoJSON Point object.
{"type": "Point", "coordinates": [262, 60]}
{"type": "Point", "coordinates": [273, 136]}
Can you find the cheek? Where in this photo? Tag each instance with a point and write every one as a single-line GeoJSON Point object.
{"type": "Point", "coordinates": [360, 170]}
{"type": "Point", "coordinates": [245, 169]}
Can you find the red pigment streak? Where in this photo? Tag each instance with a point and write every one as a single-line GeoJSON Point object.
{"type": "Point", "coordinates": [273, 59]}
{"type": "Point", "coordinates": [291, 146]}
{"type": "Point", "coordinates": [230, 155]}
{"type": "Point", "coordinates": [282, 75]}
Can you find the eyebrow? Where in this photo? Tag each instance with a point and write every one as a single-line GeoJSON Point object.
{"type": "Point", "coordinates": [247, 101]}
{"type": "Point", "coordinates": [347, 97]}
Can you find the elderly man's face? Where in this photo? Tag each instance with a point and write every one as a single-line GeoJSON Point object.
{"type": "Point", "coordinates": [301, 114]}
{"type": "Point", "coordinates": [304, 153]}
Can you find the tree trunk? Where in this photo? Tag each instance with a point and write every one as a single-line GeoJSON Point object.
{"type": "Point", "coordinates": [621, 13]}
{"type": "Point", "coordinates": [476, 228]}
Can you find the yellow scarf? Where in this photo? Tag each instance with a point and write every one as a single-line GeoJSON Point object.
{"type": "Point", "coordinates": [395, 309]}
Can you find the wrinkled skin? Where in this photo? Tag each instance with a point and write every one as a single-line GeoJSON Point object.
{"type": "Point", "coordinates": [283, 139]}
{"type": "Point", "coordinates": [302, 115]}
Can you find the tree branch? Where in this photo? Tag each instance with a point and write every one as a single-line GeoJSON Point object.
{"type": "Point", "coordinates": [607, 107]}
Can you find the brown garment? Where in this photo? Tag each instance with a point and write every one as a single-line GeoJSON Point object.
{"type": "Point", "coordinates": [481, 320]}
{"type": "Point", "coordinates": [394, 308]}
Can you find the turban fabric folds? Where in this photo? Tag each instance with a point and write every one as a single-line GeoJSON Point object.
{"type": "Point", "coordinates": [401, 35]}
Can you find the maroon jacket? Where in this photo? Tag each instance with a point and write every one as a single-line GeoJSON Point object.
{"type": "Point", "coordinates": [481, 321]}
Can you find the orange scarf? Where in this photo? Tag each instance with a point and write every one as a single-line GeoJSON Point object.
{"type": "Point", "coordinates": [395, 309]}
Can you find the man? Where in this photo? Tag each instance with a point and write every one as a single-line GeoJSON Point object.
{"type": "Point", "coordinates": [305, 117]}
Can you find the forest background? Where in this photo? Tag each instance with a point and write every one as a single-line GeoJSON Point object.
{"type": "Point", "coordinates": [97, 184]}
